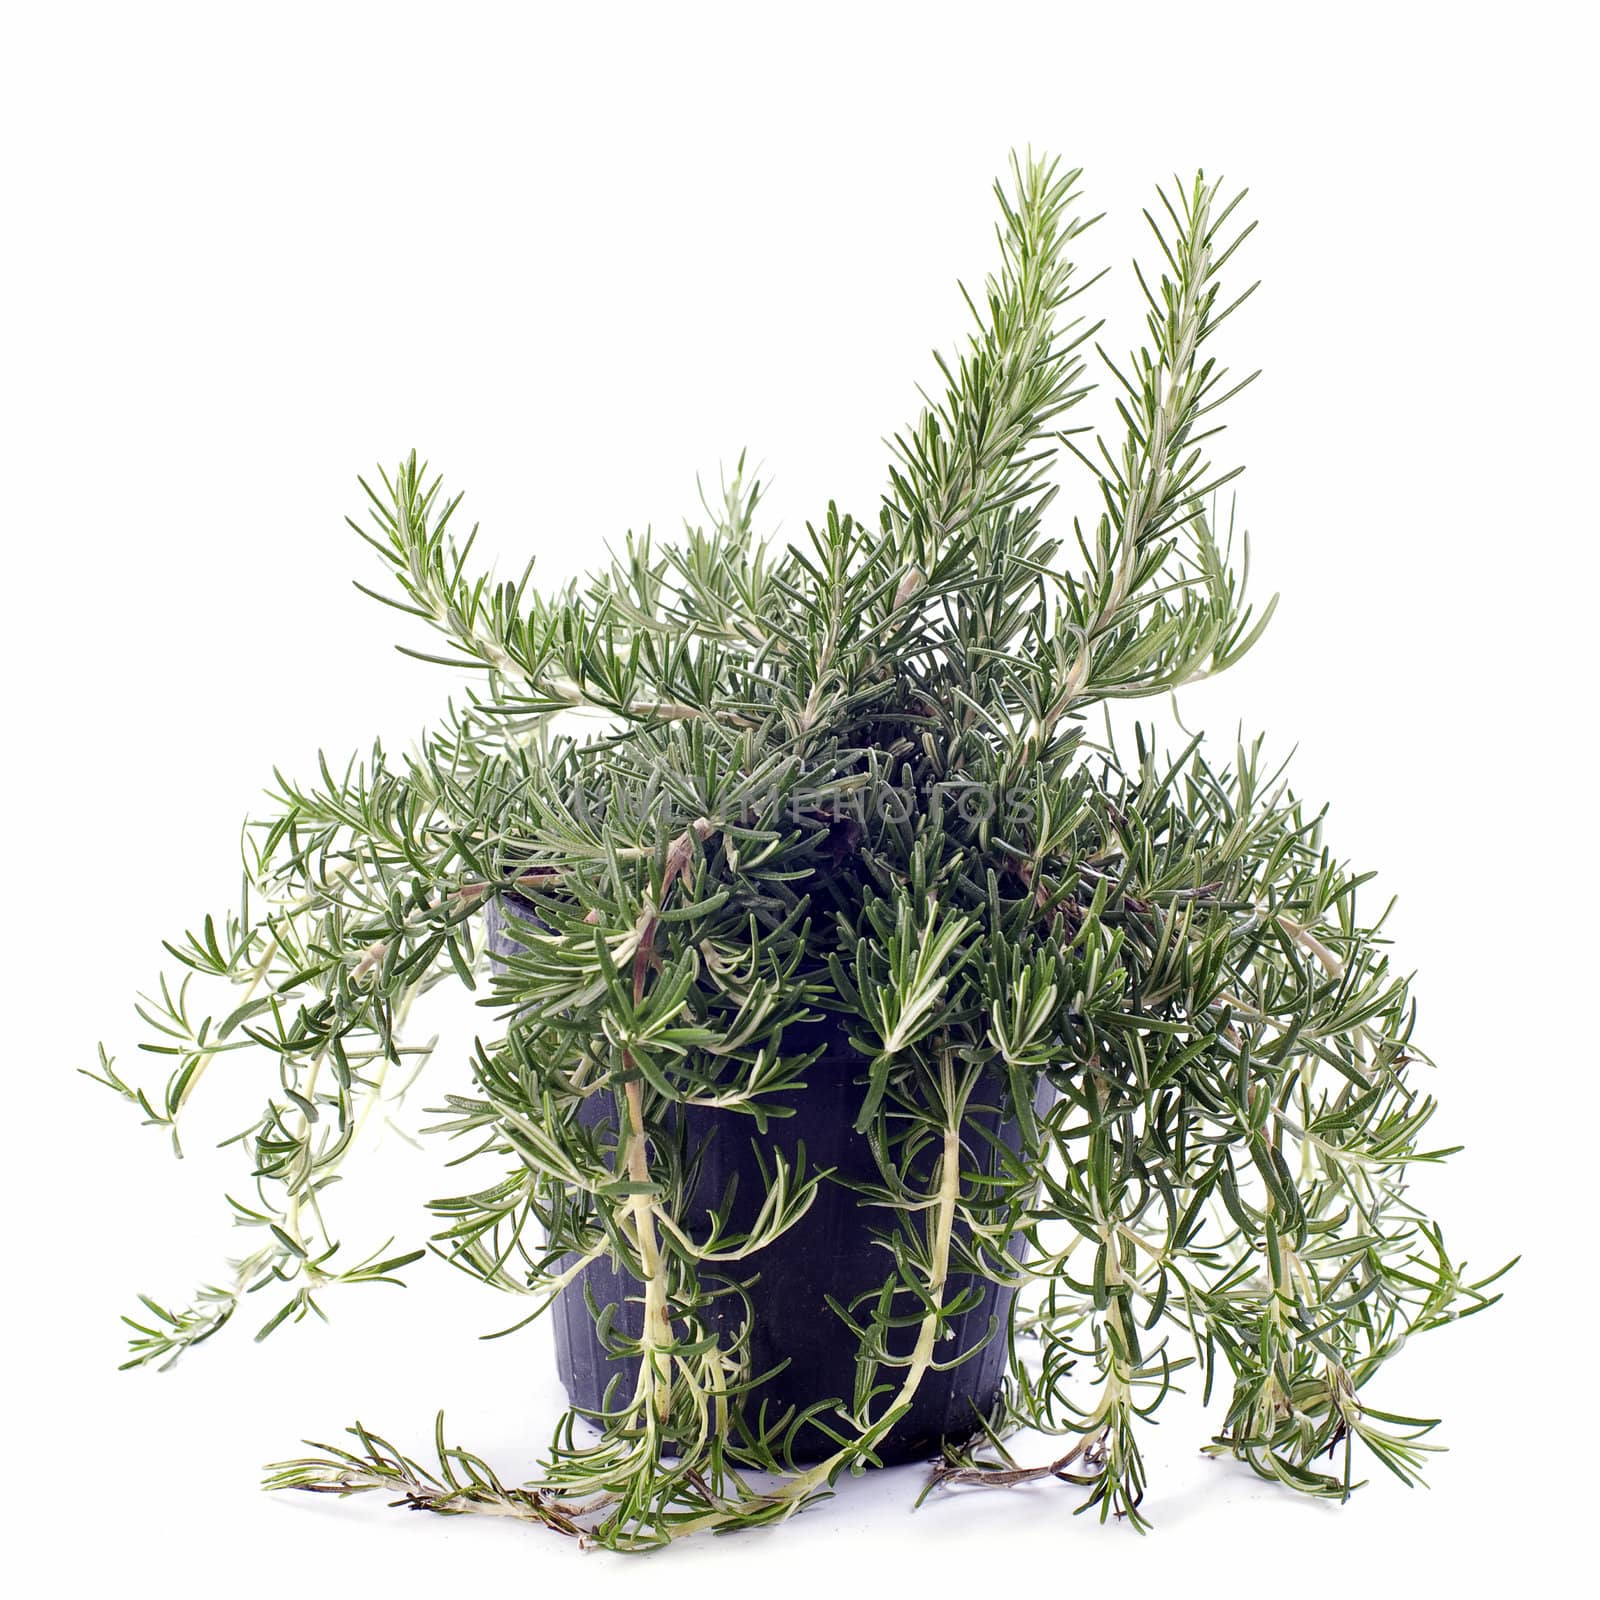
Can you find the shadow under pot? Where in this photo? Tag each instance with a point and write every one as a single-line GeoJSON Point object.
{"type": "Point", "coordinates": [832, 1252]}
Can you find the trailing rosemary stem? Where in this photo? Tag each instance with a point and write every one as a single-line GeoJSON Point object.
{"type": "Point", "coordinates": [655, 1383]}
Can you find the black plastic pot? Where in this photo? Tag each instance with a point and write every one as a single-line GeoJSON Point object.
{"type": "Point", "coordinates": [830, 1252]}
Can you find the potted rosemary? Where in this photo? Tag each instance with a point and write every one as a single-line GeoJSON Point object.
{"type": "Point", "coordinates": [880, 1065]}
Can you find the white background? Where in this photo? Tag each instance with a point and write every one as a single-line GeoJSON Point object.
{"type": "Point", "coordinates": [249, 251]}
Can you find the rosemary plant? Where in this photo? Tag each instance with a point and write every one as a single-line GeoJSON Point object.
{"type": "Point", "coordinates": [853, 779]}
